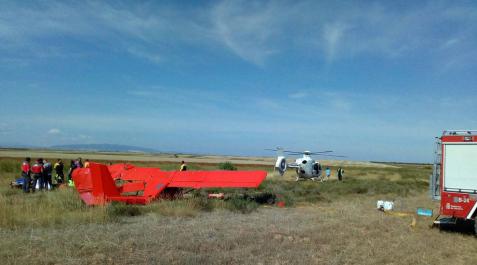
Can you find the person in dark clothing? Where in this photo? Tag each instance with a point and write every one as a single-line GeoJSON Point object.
{"type": "Point", "coordinates": [59, 176]}
{"type": "Point", "coordinates": [340, 173]}
{"type": "Point", "coordinates": [72, 167]}
{"type": "Point", "coordinates": [183, 166]}
{"type": "Point", "coordinates": [37, 170]}
{"type": "Point", "coordinates": [79, 163]}
{"type": "Point", "coordinates": [26, 175]}
{"type": "Point", "coordinates": [47, 169]}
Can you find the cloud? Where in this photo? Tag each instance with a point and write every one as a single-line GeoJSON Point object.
{"type": "Point", "coordinates": [333, 35]}
{"type": "Point", "coordinates": [268, 103]}
{"type": "Point", "coordinates": [54, 131]}
{"type": "Point", "coordinates": [257, 32]}
{"type": "Point", "coordinates": [247, 29]}
{"type": "Point", "coordinates": [450, 43]}
{"type": "Point", "coordinates": [142, 53]}
{"type": "Point", "coordinates": [80, 138]}
{"type": "Point", "coordinates": [187, 99]}
{"type": "Point", "coordinates": [141, 93]}
{"type": "Point", "coordinates": [252, 31]}
{"type": "Point", "coordinates": [83, 136]}
{"type": "Point", "coordinates": [298, 95]}
{"type": "Point", "coordinates": [5, 128]}
{"type": "Point", "coordinates": [143, 30]}
{"type": "Point", "coordinates": [341, 104]}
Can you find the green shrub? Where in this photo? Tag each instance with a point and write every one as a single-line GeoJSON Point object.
{"type": "Point", "coordinates": [9, 166]}
{"type": "Point", "coordinates": [115, 210]}
{"type": "Point", "coordinates": [242, 205]}
{"type": "Point", "coordinates": [227, 166]}
{"type": "Point", "coordinates": [202, 203]}
{"type": "Point", "coordinates": [66, 199]}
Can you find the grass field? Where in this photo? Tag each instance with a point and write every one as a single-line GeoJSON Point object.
{"type": "Point", "coordinates": [324, 223]}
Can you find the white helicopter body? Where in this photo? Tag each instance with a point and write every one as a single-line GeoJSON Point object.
{"type": "Point", "coordinates": [306, 167]}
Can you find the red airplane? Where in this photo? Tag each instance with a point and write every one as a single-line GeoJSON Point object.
{"type": "Point", "coordinates": [99, 184]}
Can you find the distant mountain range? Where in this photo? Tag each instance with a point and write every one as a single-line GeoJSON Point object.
{"type": "Point", "coordinates": [105, 148]}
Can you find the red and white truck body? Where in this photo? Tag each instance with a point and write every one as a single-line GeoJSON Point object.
{"type": "Point", "coordinates": [455, 173]}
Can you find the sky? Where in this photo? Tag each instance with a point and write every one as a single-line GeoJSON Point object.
{"type": "Point", "coordinates": [372, 80]}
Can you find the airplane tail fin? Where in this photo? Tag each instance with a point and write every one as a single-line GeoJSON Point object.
{"type": "Point", "coordinates": [94, 184]}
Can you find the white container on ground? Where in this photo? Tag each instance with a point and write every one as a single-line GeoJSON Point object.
{"type": "Point", "coordinates": [385, 205]}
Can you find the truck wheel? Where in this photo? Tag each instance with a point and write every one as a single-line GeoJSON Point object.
{"type": "Point", "coordinates": [475, 227]}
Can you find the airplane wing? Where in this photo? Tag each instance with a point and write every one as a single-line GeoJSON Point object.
{"type": "Point", "coordinates": [217, 179]}
{"type": "Point", "coordinates": [191, 179]}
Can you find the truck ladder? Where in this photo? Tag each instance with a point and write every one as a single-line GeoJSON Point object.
{"type": "Point", "coordinates": [434, 182]}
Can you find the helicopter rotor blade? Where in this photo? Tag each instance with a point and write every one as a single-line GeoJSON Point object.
{"type": "Point", "coordinates": [278, 148]}
{"type": "Point", "coordinates": [311, 153]}
{"type": "Point", "coordinates": [293, 153]}
{"type": "Point", "coordinates": [321, 152]}
{"type": "Point", "coordinates": [330, 155]}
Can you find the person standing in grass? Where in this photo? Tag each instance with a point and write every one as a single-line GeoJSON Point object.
{"type": "Point", "coordinates": [79, 163]}
{"type": "Point", "coordinates": [26, 175]}
{"type": "Point", "coordinates": [183, 166]}
{"type": "Point", "coordinates": [340, 173]}
{"type": "Point", "coordinates": [37, 170]}
{"type": "Point", "coordinates": [72, 168]}
{"type": "Point", "coordinates": [86, 163]}
{"type": "Point", "coordinates": [328, 173]}
{"type": "Point", "coordinates": [59, 176]}
{"type": "Point", "coordinates": [47, 170]}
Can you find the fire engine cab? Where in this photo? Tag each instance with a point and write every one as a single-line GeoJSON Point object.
{"type": "Point", "coordinates": [454, 178]}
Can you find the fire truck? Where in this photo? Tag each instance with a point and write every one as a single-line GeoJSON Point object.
{"type": "Point", "coordinates": [454, 177]}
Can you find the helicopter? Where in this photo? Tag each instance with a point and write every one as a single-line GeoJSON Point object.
{"type": "Point", "coordinates": [306, 167]}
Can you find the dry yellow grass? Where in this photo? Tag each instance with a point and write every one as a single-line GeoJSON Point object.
{"type": "Point", "coordinates": [340, 232]}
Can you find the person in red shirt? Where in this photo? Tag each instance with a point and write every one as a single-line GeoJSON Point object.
{"type": "Point", "coordinates": [37, 170]}
{"type": "Point", "coordinates": [26, 175]}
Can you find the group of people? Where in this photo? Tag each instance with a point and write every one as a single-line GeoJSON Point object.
{"type": "Point", "coordinates": [38, 176]}
{"type": "Point", "coordinates": [74, 164]}
{"type": "Point", "coordinates": [339, 171]}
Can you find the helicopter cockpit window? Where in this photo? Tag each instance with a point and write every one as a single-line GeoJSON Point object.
{"type": "Point", "coordinates": [303, 162]}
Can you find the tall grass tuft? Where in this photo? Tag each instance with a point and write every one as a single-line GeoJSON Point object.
{"type": "Point", "coordinates": [227, 166]}
{"type": "Point", "coordinates": [9, 166]}
{"type": "Point", "coordinates": [240, 204]}
{"type": "Point", "coordinates": [59, 207]}
{"type": "Point", "coordinates": [116, 210]}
